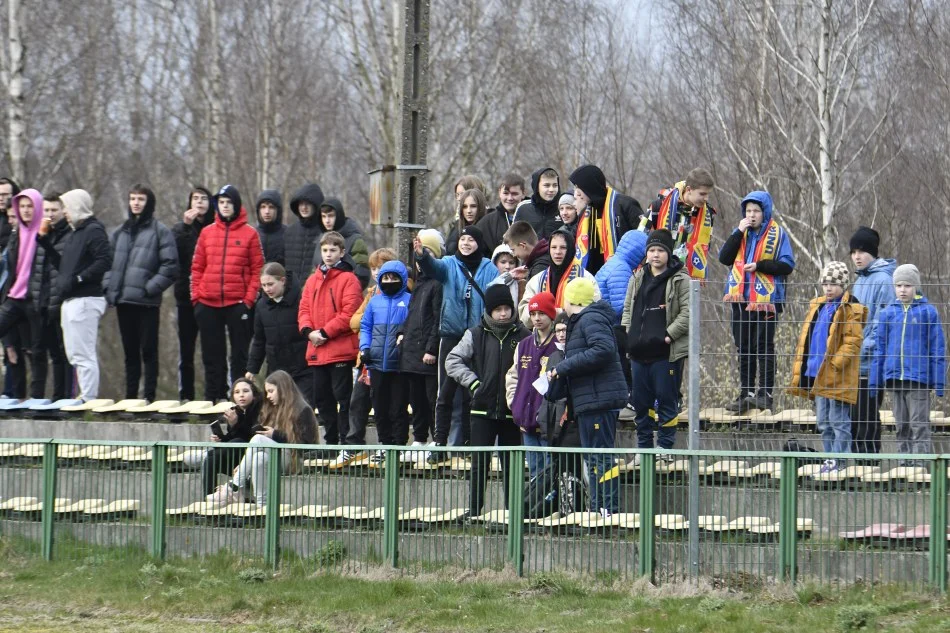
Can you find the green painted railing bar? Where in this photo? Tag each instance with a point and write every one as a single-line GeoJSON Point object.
{"type": "Point", "coordinates": [516, 510]}
{"type": "Point", "coordinates": [788, 520]}
{"type": "Point", "coordinates": [645, 562]}
{"type": "Point", "coordinates": [159, 500]}
{"type": "Point", "coordinates": [938, 524]}
{"type": "Point", "coordinates": [272, 506]}
{"type": "Point", "coordinates": [391, 509]}
{"type": "Point", "coordinates": [49, 499]}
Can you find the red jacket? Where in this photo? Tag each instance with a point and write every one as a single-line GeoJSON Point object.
{"type": "Point", "coordinates": [327, 303]}
{"type": "Point", "coordinates": [226, 269]}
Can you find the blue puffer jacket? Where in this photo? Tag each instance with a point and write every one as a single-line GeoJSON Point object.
{"type": "Point", "coordinates": [874, 289]}
{"type": "Point", "coordinates": [591, 362]}
{"type": "Point", "coordinates": [462, 305]}
{"type": "Point", "coordinates": [615, 275]}
{"type": "Point", "coordinates": [382, 321]}
{"type": "Point", "coordinates": [909, 346]}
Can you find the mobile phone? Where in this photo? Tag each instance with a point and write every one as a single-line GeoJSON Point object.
{"type": "Point", "coordinates": [257, 427]}
{"type": "Point", "coordinates": [218, 430]}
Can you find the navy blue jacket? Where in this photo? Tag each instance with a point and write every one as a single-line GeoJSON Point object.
{"type": "Point", "coordinates": [591, 362]}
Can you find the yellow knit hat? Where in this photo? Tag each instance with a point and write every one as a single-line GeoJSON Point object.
{"type": "Point", "coordinates": [579, 291]}
{"type": "Point", "coordinates": [432, 240]}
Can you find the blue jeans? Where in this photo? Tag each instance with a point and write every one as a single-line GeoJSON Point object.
{"type": "Point", "coordinates": [656, 385]}
{"type": "Point", "coordinates": [834, 424]}
{"type": "Point", "coordinates": [536, 461]}
{"type": "Point", "coordinates": [597, 430]}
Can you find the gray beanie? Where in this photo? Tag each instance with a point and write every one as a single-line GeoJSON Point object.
{"type": "Point", "coordinates": [907, 274]}
{"type": "Point", "coordinates": [566, 198]}
{"type": "Point", "coordinates": [836, 273]}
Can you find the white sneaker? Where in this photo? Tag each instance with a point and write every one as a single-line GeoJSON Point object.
{"type": "Point", "coordinates": [343, 458]}
{"type": "Point", "coordinates": [414, 456]}
{"type": "Point", "coordinates": [378, 458]}
{"type": "Point", "coordinates": [224, 495]}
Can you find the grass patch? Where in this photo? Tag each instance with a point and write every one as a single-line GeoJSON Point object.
{"type": "Point", "coordinates": [96, 589]}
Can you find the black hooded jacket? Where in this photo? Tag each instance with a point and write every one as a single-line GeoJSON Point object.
{"type": "Point", "coordinates": [420, 330]}
{"type": "Point", "coordinates": [186, 240]}
{"type": "Point", "coordinates": [494, 225]}
{"type": "Point", "coordinates": [277, 336]}
{"type": "Point", "coordinates": [86, 254]}
{"type": "Point", "coordinates": [357, 253]}
{"type": "Point", "coordinates": [271, 233]}
{"type": "Point", "coordinates": [301, 238]}
{"type": "Point", "coordinates": [541, 214]}
{"type": "Point", "coordinates": [42, 286]}
{"type": "Point", "coordinates": [144, 260]}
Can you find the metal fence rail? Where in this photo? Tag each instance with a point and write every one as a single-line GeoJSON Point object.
{"type": "Point", "coordinates": [762, 515]}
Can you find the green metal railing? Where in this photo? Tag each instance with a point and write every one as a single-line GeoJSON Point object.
{"type": "Point", "coordinates": [301, 519]}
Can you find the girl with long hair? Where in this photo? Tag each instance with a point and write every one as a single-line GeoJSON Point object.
{"type": "Point", "coordinates": [234, 426]}
{"type": "Point", "coordinates": [472, 207]}
{"type": "Point", "coordinates": [286, 418]}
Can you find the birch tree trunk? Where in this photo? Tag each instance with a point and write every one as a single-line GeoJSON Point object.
{"type": "Point", "coordinates": [214, 91]}
{"type": "Point", "coordinates": [826, 167]}
{"type": "Point", "coordinates": [16, 108]}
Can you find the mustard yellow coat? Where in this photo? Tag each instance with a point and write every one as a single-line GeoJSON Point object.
{"type": "Point", "coordinates": [837, 377]}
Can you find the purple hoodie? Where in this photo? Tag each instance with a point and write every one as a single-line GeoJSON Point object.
{"type": "Point", "coordinates": [530, 360]}
{"type": "Point", "coordinates": [27, 237]}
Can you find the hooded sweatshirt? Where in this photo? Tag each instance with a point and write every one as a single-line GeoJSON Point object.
{"type": "Point", "coordinates": [780, 266]}
{"type": "Point", "coordinates": [300, 238]}
{"type": "Point", "coordinates": [271, 233]}
{"type": "Point", "coordinates": [357, 254]}
{"type": "Point", "coordinates": [26, 247]}
{"type": "Point", "coordinates": [186, 239]}
{"type": "Point", "coordinates": [144, 260]}
{"type": "Point", "coordinates": [86, 254]}
{"type": "Point", "coordinates": [541, 214]}
{"type": "Point", "coordinates": [874, 289]}
{"type": "Point", "coordinates": [383, 320]}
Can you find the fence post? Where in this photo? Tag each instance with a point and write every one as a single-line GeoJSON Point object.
{"type": "Point", "coordinates": [645, 562]}
{"type": "Point", "coordinates": [391, 509]}
{"type": "Point", "coordinates": [272, 509]}
{"type": "Point", "coordinates": [48, 513]}
{"type": "Point", "coordinates": [938, 524]}
{"type": "Point", "coordinates": [516, 509]}
{"type": "Point", "coordinates": [788, 522]}
{"type": "Point", "coordinates": [159, 499]}
{"type": "Point", "coordinates": [693, 405]}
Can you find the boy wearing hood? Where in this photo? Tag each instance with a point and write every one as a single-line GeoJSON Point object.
{"type": "Point", "coordinates": [541, 209]}
{"type": "Point", "coordinates": [81, 266]}
{"type": "Point", "coordinates": [25, 263]}
{"type": "Point", "coordinates": [198, 215]}
{"type": "Point", "coordinates": [759, 255]}
{"type": "Point", "coordinates": [656, 316]}
{"type": "Point", "coordinates": [225, 279]}
{"type": "Point", "coordinates": [465, 277]}
{"type": "Point", "coordinates": [333, 218]}
{"type": "Point", "coordinates": [684, 212]}
{"type": "Point", "coordinates": [379, 346]}
{"type": "Point", "coordinates": [591, 377]}
{"type": "Point", "coordinates": [874, 289]}
{"type": "Point", "coordinates": [606, 216]}
{"type": "Point", "coordinates": [479, 363]}
{"type": "Point", "coordinates": [497, 221]}
{"type": "Point", "coordinates": [565, 267]}
{"type": "Point", "coordinates": [144, 264]}
{"type": "Point", "coordinates": [270, 225]}
{"type": "Point", "coordinates": [300, 238]}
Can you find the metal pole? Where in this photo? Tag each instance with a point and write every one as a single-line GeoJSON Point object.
{"type": "Point", "coordinates": [48, 513]}
{"type": "Point", "coordinates": [938, 524]}
{"type": "Point", "coordinates": [391, 509]}
{"type": "Point", "coordinates": [159, 499]}
{"type": "Point", "coordinates": [695, 327]}
{"type": "Point", "coordinates": [516, 509]}
{"type": "Point", "coordinates": [412, 146]}
{"type": "Point", "coordinates": [272, 509]}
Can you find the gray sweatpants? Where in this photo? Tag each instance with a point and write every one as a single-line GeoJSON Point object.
{"type": "Point", "coordinates": [912, 416]}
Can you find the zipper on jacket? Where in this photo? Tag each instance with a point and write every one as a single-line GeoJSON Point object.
{"type": "Point", "coordinates": [389, 319]}
{"type": "Point", "coordinates": [224, 258]}
{"type": "Point", "coordinates": [904, 331]}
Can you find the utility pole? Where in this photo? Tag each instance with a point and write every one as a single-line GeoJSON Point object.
{"type": "Point", "coordinates": [406, 183]}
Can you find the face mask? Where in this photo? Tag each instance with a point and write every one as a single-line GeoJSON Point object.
{"type": "Point", "coordinates": [560, 346]}
{"type": "Point", "coordinates": [390, 287]}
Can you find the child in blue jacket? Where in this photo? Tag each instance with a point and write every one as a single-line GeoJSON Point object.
{"type": "Point", "coordinates": [910, 360]}
{"type": "Point", "coordinates": [379, 331]}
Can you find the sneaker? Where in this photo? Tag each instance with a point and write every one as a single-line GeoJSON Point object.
{"type": "Point", "coordinates": [636, 460]}
{"type": "Point", "coordinates": [344, 457]}
{"type": "Point", "coordinates": [224, 495]}
{"type": "Point", "coordinates": [829, 466]}
{"type": "Point", "coordinates": [740, 404]}
{"type": "Point", "coordinates": [377, 459]}
{"type": "Point", "coordinates": [410, 457]}
{"type": "Point", "coordinates": [605, 514]}
{"type": "Point", "coordinates": [760, 400]}
{"type": "Point", "coordinates": [436, 457]}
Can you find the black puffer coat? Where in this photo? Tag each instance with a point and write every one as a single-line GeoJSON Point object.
{"type": "Point", "coordinates": [43, 284]}
{"type": "Point", "coordinates": [276, 335]}
{"type": "Point", "coordinates": [300, 239]}
{"type": "Point", "coordinates": [85, 253]}
{"type": "Point", "coordinates": [144, 260]}
{"type": "Point", "coordinates": [420, 331]}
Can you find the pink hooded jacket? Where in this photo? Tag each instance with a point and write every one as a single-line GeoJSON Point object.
{"type": "Point", "coordinates": [27, 237]}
